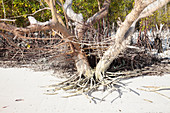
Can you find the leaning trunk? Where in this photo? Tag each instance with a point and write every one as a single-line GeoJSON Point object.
{"type": "Point", "coordinates": [123, 34]}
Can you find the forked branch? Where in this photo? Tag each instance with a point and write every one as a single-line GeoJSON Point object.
{"type": "Point", "coordinates": [127, 26]}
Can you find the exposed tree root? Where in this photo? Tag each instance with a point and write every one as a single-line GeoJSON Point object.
{"type": "Point", "coordinates": [79, 85]}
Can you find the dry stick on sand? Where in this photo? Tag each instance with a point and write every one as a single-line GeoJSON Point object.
{"type": "Point", "coordinates": [155, 89]}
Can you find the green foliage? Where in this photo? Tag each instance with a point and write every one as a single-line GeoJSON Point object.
{"type": "Point", "coordinates": [118, 8]}
{"type": "Point", "coordinates": [18, 9]}
{"type": "Point", "coordinates": [86, 7]}
{"type": "Point", "coordinates": [158, 17]}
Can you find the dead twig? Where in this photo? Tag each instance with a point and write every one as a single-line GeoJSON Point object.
{"type": "Point", "coordinates": [155, 89]}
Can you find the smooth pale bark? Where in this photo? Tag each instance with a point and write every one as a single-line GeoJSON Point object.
{"type": "Point", "coordinates": [152, 8]}
{"type": "Point", "coordinates": [55, 16]}
{"type": "Point", "coordinates": [122, 36]}
{"type": "Point", "coordinates": [77, 18]}
{"type": "Point", "coordinates": [80, 24]}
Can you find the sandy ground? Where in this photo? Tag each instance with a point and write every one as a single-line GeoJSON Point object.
{"type": "Point", "coordinates": [21, 92]}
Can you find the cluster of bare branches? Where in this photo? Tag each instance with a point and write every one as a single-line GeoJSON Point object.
{"type": "Point", "coordinates": [53, 40]}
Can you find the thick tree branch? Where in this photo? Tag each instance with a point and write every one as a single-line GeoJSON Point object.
{"type": "Point", "coordinates": [53, 11]}
{"type": "Point", "coordinates": [99, 15]}
{"type": "Point", "coordinates": [51, 4]}
{"type": "Point", "coordinates": [82, 64]}
{"type": "Point", "coordinates": [38, 27]}
{"type": "Point", "coordinates": [80, 59]}
{"type": "Point", "coordinates": [152, 8]}
{"type": "Point", "coordinates": [62, 5]}
{"type": "Point", "coordinates": [77, 18]}
{"type": "Point", "coordinates": [122, 35]}
{"type": "Point", "coordinates": [71, 14]}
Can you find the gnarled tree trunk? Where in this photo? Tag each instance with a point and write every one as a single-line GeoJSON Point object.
{"type": "Point", "coordinates": [82, 64]}
{"type": "Point", "coordinates": [141, 9]}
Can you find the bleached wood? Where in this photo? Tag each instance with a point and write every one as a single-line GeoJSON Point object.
{"type": "Point", "coordinates": [152, 8]}
{"type": "Point", "coordinates": [9, 20]}
{"type": "Point", "coordinates": [124, 32]}
{"type": "Point", "coordinates": [71, 14]}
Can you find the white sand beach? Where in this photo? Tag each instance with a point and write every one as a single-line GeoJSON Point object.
{"type": "Point", "coordinates": [21, 92]}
